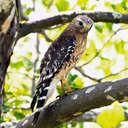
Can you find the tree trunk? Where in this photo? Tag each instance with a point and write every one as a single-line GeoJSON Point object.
{"type": "Point", "coordinates": [7, 35]}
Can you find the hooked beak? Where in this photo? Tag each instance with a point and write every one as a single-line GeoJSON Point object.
{"type": "Point", "coordinates": [87, 27]}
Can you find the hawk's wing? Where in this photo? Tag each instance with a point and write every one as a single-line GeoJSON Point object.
{"type": "Point", "coordinates": [58, 53]}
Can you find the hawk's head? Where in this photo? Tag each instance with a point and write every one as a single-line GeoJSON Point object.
{"type": "Point", "coordinates": [82, 24]}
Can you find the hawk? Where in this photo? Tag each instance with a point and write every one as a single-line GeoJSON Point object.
{"type": "Point", "coordinates": [62, 55]}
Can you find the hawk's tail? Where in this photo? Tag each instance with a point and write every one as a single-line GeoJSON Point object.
{"type": "Point", "coordinates": [40, 98]}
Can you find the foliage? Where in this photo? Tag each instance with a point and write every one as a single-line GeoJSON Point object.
{"type": "Point", "coordinates": [111, 117]}
{"type": "Point", "coordinates": [104, 39]}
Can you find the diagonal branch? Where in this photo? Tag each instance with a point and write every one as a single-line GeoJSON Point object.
{"type": "Point", "coordinates": [78, 102]}
{"type": "Point", "coordinates": [102, 78]}
{"type": "Point", "coordinates": [112, 74]}
{"type": "Point", "coordinates": [85, 75]}
{"type": "Point", "coordinates": [62, 18]}
{"type": "Point", "coordinates": [46, 37]}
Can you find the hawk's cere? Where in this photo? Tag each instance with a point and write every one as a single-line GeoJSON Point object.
{"type": "Point", "coordinates": [61, 57]}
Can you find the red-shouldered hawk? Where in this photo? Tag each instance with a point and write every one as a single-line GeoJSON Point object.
{"type": "Point", "coordinates": [60, 58]}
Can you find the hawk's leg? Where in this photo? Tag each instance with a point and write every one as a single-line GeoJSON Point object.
{"type": "Point", "coordinates": [62, 86]}
{"type": "Point", "coordinates": [64, 82]}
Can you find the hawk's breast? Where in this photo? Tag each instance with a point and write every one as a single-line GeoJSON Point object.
{"type": "Point", "coordinates": [74, 58]}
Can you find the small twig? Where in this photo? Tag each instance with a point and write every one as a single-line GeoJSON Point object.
{"type": "Point", "coordinates": [100, 79]}
{"type": "Point", "coordinates": [46, 37]}
{"type": "Point", "coordinates": [33, 5]}
{"type": "Point", "coordinates": [97, 53]}
{"type": "Point", "coordinates": [85, 75]}
{"type": "Point", "coordinates": [20, 11]}
{"type": "Point", "coordinates": [112, 74]}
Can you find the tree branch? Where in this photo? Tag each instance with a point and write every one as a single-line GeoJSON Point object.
{"type": "Point", "coordinates": [89, 116]}
{"type": "Point", "coordinates": [85, 75]}
{"type": "Point", "coordinates": [46, 36]}
{"type": "Point", "coordinates": [36, 26]}
{"type": "Point", "coordinates": [78, 102]}
{"type": "Point", "coordinates": [100, 79]}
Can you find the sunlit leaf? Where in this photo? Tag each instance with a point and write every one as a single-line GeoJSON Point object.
{"type": "Point", "coordinates": [105, 63]}
{"type": "Point", "coordinates": [82, 3]}
{"type": "Point", "coordinates": [47, 3]}
{"type": "Point", "coordinates": [109, 26]}
{"type": "Point", "coordinates": [78, 83]}
{"type": "Point", "coordinates": [17, 65]}
{"type": "Point", "coordinates": [119, 46]}
{"type": "Point", "coordinates": [71, 78]}
{"type": "Point", "coordinates": [28, 11]}
{"type": "Point", "coordinates": [111, 117]}
{"type": "Point", "coordinates": [99, 28]}
{"type": "Point", "coordinates": [93, 7]}
{"type": "Point", "coordinates": [62, 5]}
{"type": "Point", "coordinates": [89, 52]}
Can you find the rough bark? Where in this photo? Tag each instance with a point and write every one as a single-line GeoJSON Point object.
{"type": "Point", "coordinates": [62, 18]}
{"type": "Point", "coordinates": [7, 32]}
{"type": "Point", "coordinates": [78, 102]}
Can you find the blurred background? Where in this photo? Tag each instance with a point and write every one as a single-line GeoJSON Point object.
{"type": "Point", "coordinates": [105, 59]}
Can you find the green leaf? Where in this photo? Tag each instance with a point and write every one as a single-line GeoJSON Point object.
{"type": "Point", "coordinates": [105, 65]}
{"type": "Point", "coordinates": [47, 3]}
{"type": "Point", "coordinates": [109, 26]}
{"type": "Point", "coordinates": [28, 64]}
{"type": "Point", "coordinates": [17, 65]}
{"type": "Point", "coordinates": [78, 83]}
{"type": "Point", "coordinates": [82, 4]}
{"type": "Point", "coordinates": [29, 54]}
{"type": "Point", "coordinates": [24, 86]}
{"type": "Point", "coordinates": [28, 11]}
{"type": "Point", "coordinates": [119, 46]}
{"type": "Point", "coordinates": [18, 115]}
{"type": "Point", "coordinates": [6, 108]}
{"type": "Point", "coordinates": [99, 28]}
{"type": "Point", "coordinates": [71, 78]}
{"type": "Point", "coordinates": [111, 117]}
{"type": "Point", "coordinates": [62, 5]}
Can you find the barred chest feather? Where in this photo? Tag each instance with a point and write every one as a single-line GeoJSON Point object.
{"type": "Point", "coordinates": [75, 57]}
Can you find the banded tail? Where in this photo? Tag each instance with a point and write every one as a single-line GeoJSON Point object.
{"type": "Point", "coordinates": [41, 96]}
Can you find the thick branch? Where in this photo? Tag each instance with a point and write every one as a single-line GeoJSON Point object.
{"type": "Point", "coordinates": [78, 102]}
{"type": "Point", "coordinates": [36, 26]}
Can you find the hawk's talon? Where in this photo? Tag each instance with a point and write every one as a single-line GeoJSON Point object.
{"type": "Point", "coordinates": [59, 96]}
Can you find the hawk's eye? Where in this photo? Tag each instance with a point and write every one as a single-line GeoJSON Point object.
{"type": "Point", "coordinates": [80, 23]}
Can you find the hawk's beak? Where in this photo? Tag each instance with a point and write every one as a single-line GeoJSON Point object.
{"type": "Point", "coordinates": [87, 26]}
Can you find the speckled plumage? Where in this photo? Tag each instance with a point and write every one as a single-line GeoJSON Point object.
{"type": "Point", "coordinates": [61, 57]}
